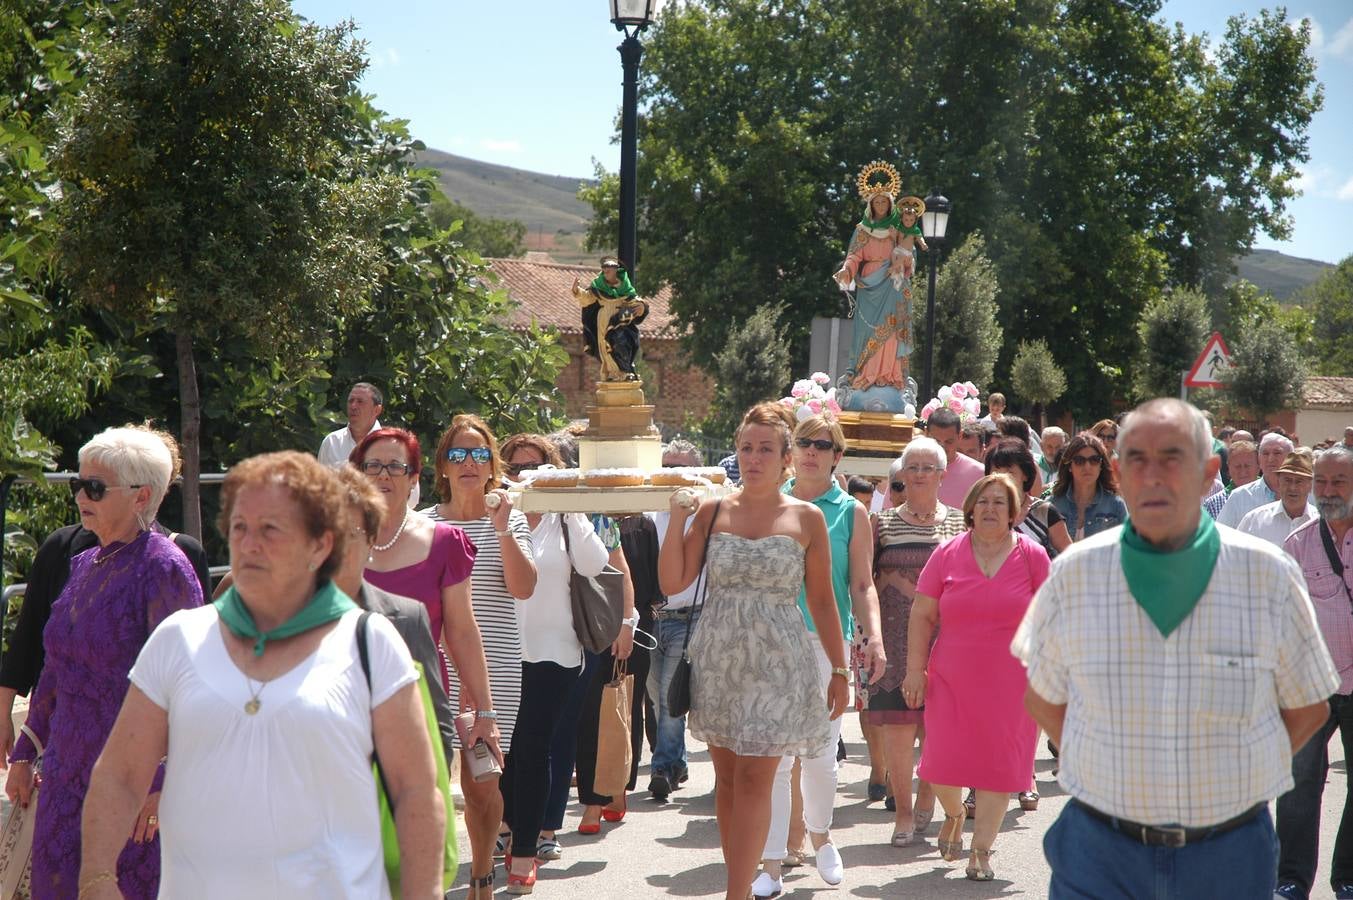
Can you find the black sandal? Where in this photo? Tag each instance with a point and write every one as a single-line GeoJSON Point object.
{"type": "Point", "coordinates": [484, 882]}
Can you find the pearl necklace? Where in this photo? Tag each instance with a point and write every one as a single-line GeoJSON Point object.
{"type": "Point", "coordinates": [398, 532]}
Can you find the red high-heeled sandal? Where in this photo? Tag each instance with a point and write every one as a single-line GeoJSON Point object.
{"type": "Point", "coordinates": [521, 884]}
{"type": "Point", "coordinates": [615, 815]}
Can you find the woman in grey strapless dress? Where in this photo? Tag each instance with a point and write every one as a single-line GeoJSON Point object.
{"type": "Point", "coordinates": [753, 689]}
{"type": "Point", "coordinates": [756, 694]}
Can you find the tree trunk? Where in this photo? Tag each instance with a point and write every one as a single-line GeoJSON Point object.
{"type": "Point", "coordinates": [190, 434]}
{"type": "Point", "coordinates": [1038, 417]}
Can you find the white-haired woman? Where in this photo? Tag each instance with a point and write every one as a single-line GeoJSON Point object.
{"type": "Point", "coordinates": [904, 538]}
{"type": "Point", "coordinates": [116, 595]}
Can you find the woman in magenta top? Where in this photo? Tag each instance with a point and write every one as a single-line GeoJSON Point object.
{"type": "Point", "coordinates": [975, 588]}
{"type": "Point", "coordinates": [430, 562]}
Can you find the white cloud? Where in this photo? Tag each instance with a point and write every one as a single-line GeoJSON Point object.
{"type": "Point", "coordinates": [382, 58]}
{"type": "Point", "coordinates": [1346, 191]}
{"type": "Point", "coordinates": [1341, 44]}
{"type": "Point", "coordinates": [500, 146]}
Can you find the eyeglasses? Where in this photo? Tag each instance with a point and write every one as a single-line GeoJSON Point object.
{"type": "Point", "coordinates": [480, 455]}
{"type": "Point", "coordinates": [513, 469]}
{"type": "Point", "coordinates": [95, 489]}
{"type": "Point", "coordinates": [1095, 460]}
{"type": "Point", "coordinates": [819, 444]}
{"type": "Point", "coordinates": [374, 467]}
{"type": "Point", "coordinates": [921, 470]}
{"type": "Point", "coordinates": [897, 487]}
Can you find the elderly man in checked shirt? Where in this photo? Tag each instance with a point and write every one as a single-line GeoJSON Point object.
{"type": "Point", "coordinates": [1178, 664]}
{"type": "Point", "coordinates": [1324, 550]}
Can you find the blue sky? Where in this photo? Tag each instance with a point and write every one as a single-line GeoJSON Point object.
{"type": "Point", "coordinates": [536, 85]}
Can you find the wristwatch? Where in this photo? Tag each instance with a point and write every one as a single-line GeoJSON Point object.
{"type": "Point", "coordinates": [842, 671]}
{"type": "Point", "coordinates": [632, 621]}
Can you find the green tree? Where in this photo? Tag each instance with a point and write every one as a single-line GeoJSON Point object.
{"type": "Point", "coordinates": [1267, 372]}
{"type": "Point", "coordinates": [1104, 155]}
{"type": "Point", "coordinates": [1330, 300]}
{"type": "Point", "coordinates": [482, 234]}
{"type": "Point", "coordinates": [1172, 330]}
{"type": "Point", "coordinates": [752, 365]}
{"type": "Point", "coordinates": [207, 189]}
{"type": "Point", "coordinates": [967, 335]}
{"type": "Point", "coordinates": [1036, 377]}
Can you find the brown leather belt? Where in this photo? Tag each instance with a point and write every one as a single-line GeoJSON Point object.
{"type": "Point", "coordinates": [1169, 835]}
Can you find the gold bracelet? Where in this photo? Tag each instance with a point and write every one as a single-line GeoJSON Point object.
{"type": "Point", "coordinates": [97, 879]}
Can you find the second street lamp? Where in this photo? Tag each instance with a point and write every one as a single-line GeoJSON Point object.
{"type": "Point", "coordinates": [626, 15]}
{"type": "Point", "coordinates": [934, 224]}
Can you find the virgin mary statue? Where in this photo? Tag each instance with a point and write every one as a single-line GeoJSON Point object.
{"type": "Point", "coordinates": [879, 264]}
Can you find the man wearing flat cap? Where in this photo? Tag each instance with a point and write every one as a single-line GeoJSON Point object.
{"type": "Point", "coordinates": [612, 306]}
{"type": "Point", "coordinates": [1275, 521]}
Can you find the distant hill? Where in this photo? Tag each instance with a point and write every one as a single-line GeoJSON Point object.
{"type": "Point", "coordinates": [547, 205]}
{"type": "Point", "coordinates": [555, 218]}
{"type": "Point", "coordinates": [1279, 274]}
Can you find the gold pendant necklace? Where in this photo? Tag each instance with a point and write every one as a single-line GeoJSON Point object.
{"type": "Point", "coordinates": [252, 705]}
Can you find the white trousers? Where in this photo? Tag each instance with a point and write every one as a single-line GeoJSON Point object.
{"type": "Point", "coordinates": [817, 779]}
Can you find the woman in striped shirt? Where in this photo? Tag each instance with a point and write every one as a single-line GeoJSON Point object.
{"type": "Point", "coordinates": [468, 468]}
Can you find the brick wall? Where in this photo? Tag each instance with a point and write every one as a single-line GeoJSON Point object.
{"type": "Point", "coordinates": [677, 389]}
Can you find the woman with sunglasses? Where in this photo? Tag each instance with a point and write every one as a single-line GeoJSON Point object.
{"type": "Point", "coordinates": [1086, 492]}
{"type": "Point", "coordinates": [817, 448]}
{"type": "Point", "coordinates": [1107, 431]}
{"type": "Point", "coordinates": [115, 597]}
{"type": "Point", "coordinates": [904, 537]}
{"type": "Point", "coordinates": [21, 663]}
{"type": "Point", "coordinates": [536, 781]}
{"type": "Point", "coordinates": [469, 469]}
{"type": "Point", "coordinates": [431, 562]}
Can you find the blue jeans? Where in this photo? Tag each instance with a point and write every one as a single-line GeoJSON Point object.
{"type": "Point", "coordinates": [669, 753]}
{"type": "Point", "coordinates": [1299, 808]}
{"type": "Point", "coordinates": [1091, 861]}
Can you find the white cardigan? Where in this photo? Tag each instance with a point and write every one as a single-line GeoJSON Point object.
{"type": "Point", "coordinates": [546, 616]}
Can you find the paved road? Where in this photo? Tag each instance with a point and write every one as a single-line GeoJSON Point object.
{"type": "Point", "coordinates": [672, 850]}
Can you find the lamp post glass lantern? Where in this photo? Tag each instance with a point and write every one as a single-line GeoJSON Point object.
{"type": "Point", "coordinates": [633, 13]}
{"type": "Point", "coordinates": [934, 224]}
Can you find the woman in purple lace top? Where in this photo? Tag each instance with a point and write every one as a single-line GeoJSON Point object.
{"type": "Point", "coordinates": [116, 595]}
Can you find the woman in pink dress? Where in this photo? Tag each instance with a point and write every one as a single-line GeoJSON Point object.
{"type": "Point", "coordinates": [977, 586]}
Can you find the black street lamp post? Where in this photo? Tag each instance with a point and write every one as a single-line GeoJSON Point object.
{"type": "Point", "coordinates": [934, 223]}
{"type": "Point", "coordinates": [627, 15]}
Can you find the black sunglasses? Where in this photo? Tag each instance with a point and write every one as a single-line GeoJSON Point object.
{"type": "Point", "coordinates": [897, 486]}
{"type": "Point", "coordinates": [518, 468]}
{"type": "Point", "coordinates": [480, 455]}
{"type": "Point", "coordinates": [1087, 460]}
{"type": "Point", "coordinates": [94, 489]}
{"type": "Point", "coordinates": [820, 443]}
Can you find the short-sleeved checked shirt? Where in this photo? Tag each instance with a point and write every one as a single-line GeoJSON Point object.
{"type": "Point", "coordinates": [1333, 609]}
{"type": "Point", "coordinates": [1179, 730]}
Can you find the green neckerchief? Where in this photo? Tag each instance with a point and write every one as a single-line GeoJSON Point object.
{"type": "Point", "coordinates": [328, 604]}
{"type": "Point", "coordinates": [892, 220]}
{"type": "Point", "coordinates": [914, 230]}
{"type": "Point", "coordinates": [1168, 585]}
{"type": "Point", "coordinates": [623, 289]}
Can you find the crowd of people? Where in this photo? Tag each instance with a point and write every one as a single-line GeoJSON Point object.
{"type": "Point", "coordinates": [1170, 607]}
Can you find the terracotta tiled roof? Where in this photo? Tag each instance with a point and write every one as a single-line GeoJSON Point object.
{"type": "Point", "coordinates": [542, 292]}
{"type": "Point", "coordinates": [1327, 391]}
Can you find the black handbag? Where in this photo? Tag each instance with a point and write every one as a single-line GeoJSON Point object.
{"type": "Point", "coordinates": [679, 688]}
{"type": "Point", "coordinates": [598, 602]}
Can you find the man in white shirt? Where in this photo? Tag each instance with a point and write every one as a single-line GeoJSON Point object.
{"type": "Point", "coordinates": [1177, 664]}
{"type": "Point", "coordinates": [365, 404]}
{"type": "Point", "coordinates": [1275, 521]}
{"type": "Point", "coordinates": [961, 472]}
{"type": "Point", "coordinates": [671, 623]}
{"type": "Point", "coordinates": [1273, 449]}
